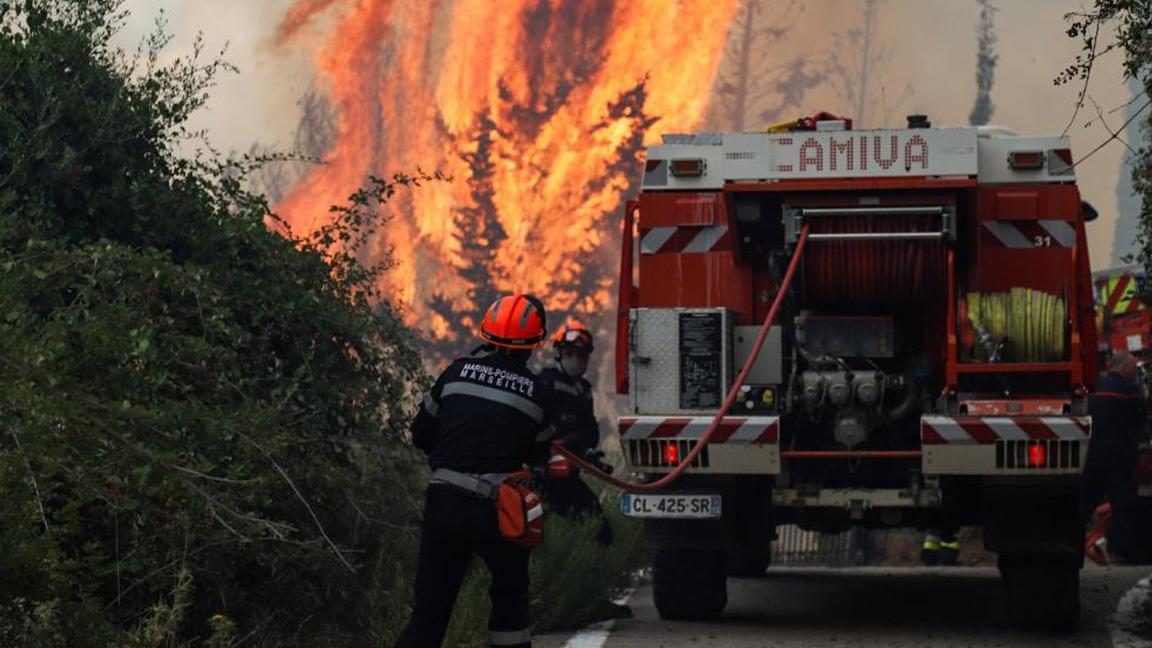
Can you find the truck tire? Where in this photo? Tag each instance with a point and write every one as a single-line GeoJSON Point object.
{"type": "Point", "coordinates": [1043, 591]}
{"type": "Point", "coordinates": [749, 561]}
{"type": "Point", "coordinates": [689, 584]}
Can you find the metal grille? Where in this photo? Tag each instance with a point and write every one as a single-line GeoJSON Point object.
{"type": "Point", "coordinates": [654, 452]}
{"type": "Point", "coordinates": [795, 546]}
{"type": "Point", "coordinates": [1038, 454]}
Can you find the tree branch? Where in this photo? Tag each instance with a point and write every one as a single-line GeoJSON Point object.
{"type": "Point", "coordinates": [1114, 136]}
{"type": "Point", "coordinates": [299, 496]}
{"type": "Point", "coordinates": [32, 478]}
{"type": "Point", "coordinates": [1087, 77]}
{"type": "Point", "coordinates": [1104, 123]}
{"type": "Point", "coordinates": [225, 480]}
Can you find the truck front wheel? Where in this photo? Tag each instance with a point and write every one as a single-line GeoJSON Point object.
{"type": "Point", "coordinates": [689, 584]}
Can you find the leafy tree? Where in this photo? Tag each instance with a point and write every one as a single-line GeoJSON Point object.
{"type": "Point", "coordinates": [1130, 22]}
{"type": "Point", "coordinates": [200, 419]}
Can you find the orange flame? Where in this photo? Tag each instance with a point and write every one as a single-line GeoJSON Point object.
{"type": "Point", "coordinates": [410, 81]}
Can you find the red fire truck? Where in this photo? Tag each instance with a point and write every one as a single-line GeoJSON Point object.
{"type": "Point", "coordinates": [929, 364]}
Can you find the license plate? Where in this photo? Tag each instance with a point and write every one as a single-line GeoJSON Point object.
{"type": "Point", "coordinates": [670, 506]}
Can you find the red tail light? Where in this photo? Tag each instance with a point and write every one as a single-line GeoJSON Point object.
{"type": "Point", "coordinates": [1037, 455]}
{"type": "Point", "coordinates": [671, 454]}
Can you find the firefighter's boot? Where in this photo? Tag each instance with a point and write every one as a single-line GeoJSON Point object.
{"type": "Point", "coordinates": [949, 553]}
{"type": "Point", "coordinates": [930, 550]}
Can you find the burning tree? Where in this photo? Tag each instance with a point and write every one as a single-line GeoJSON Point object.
{"type": "Point", "coordinates": [479, 233]}
{"type": "Point", "coordinates": [985, 65]}
{"type": "Point", "coordinates": [586, 279]}
{"type": "Point", "coordinates": [755, 76]}
{"type": "Point", "coordinates": [536, 110]}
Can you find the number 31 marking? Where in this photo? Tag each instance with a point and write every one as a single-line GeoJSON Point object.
{"type": "Point", "coordinates": [1042, 241]}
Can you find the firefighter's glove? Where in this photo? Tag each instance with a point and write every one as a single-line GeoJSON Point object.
{"type": "Point", "coordinates": [558, 465]}
{"type": "Point", "coordinates": [596, 458]}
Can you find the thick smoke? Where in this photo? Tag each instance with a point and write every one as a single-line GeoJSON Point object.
{"type": "Point", "coordinates": [985, 65]}
{"type": "Point", "coordinates": [448, 58]}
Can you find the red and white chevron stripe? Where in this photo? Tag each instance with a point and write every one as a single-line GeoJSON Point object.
{"type": "Point", "coordinates": [733, 429]}
{"type": "Point", "coordinates": [1029, 233]}
{"type": "Point", "coordinates": [685, 240]}
{"type": "Point", "coordinates": [942, 430]}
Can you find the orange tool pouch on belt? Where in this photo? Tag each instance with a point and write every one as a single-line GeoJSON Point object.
{"type": "Point", "coordinates": [519, 510]}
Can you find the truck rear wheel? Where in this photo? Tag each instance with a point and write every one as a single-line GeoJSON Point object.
{"type": "Point", "coordinates": [1043, 591]}
{"type": "Point", "coordinates": [689, 584]}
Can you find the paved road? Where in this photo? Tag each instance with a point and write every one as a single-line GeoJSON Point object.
{"type": "Point", "coordinates": [872, 607]}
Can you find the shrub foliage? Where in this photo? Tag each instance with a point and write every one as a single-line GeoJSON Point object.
{"type": "Point", "coordinates": [201, 414]}
{"type": "Point", "coordinates": [200, 418]}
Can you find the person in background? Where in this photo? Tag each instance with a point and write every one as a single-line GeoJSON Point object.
{"type": "Point", "coordinates": [565, 492]}
{"type": "Point", "coordinates": [1117, 414]}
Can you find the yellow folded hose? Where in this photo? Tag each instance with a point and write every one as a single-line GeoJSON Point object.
{"type": "Point", "coordinates": [1033, 322]}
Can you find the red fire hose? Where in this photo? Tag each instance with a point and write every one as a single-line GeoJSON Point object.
{"type": "Point", "coordinates": [728, 402]}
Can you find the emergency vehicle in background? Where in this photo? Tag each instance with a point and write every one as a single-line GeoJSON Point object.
{"type": "Point", "coordinates": [930, 364]}
{"type": "Point", "coordinates": [1123, 319]}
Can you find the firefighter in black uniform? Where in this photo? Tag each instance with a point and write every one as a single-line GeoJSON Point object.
{"type": "Point", "coordinates": [565, 493]}
{"type": "Point", "coordinates": [484, 418]}
{"type": "Point", "coordinates": [1110, 470]}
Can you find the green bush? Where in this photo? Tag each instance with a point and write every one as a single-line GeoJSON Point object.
{"type": "Point", "coordinates": [201, 421]}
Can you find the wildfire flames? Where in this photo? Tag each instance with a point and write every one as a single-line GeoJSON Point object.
{"type": "Point", "coordinates": [537, 108]}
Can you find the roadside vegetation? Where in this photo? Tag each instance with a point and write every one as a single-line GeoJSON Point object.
{"type": "Point", "coordinates": [202, 414]}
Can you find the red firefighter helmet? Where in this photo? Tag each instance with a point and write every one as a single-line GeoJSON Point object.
{"type": "Point", "coordinates": [514, 322]}
{"type": "Point", "coordinates": [572, 335]}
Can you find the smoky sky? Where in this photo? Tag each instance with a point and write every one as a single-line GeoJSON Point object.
{"type": "Point", "coordinates": [930, 45]}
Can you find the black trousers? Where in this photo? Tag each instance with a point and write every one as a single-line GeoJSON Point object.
{"type": "Point", "coordinates": [456, 527]}
{"type": "Point", "coordinates": [1110, 475]}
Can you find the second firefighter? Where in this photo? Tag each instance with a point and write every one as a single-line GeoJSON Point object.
{"type": "Point", "coordinates": [566, 493]}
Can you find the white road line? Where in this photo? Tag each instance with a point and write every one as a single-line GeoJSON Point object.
{"type": "Point", "coordinates": [1131, 612]}
{"type": "Point", "coordinates": [596, 634]}
{"type": "Point", "coordinates": [593, 636]}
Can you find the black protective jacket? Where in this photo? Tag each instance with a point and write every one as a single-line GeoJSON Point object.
{"type": "Point", "coordinates": [573, 414]}
{"type": "Point", "coordinates": [1117, 418]}
{"type": "Point", "coordinates": [485, 415]}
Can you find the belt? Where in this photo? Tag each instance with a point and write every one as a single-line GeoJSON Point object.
{"type": "Point", "coordinates": [482, 485]}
